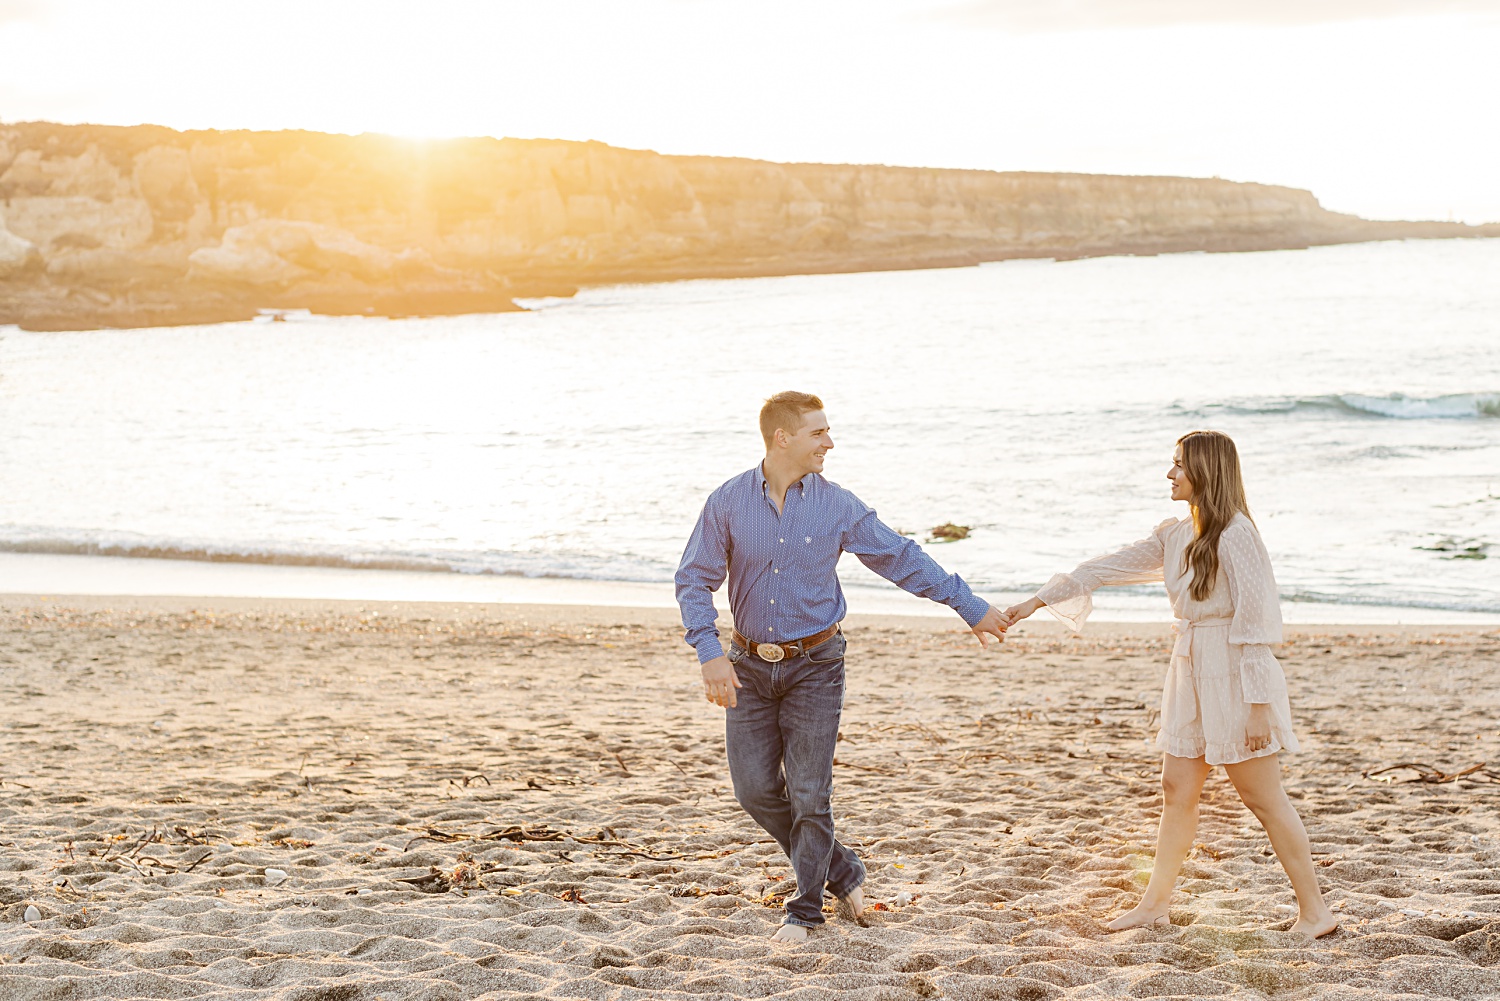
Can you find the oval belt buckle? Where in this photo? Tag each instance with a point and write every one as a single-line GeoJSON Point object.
{"type": "Point", "coordinates": [769, 652]}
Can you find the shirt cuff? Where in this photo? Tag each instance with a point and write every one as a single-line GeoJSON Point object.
{"type": "Point", "coordinates": [1068, 599]}
{"type": "Point", "coordinates": [1257, 670]}
{"type": "Point", "coordinates": [708, 648]}
{"type": "Point", "coordinates": [973, 609]}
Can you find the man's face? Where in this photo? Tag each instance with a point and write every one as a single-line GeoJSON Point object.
{"type": "Point", "coordinates": [811, 443]}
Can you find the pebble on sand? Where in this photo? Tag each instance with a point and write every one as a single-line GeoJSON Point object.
{"type": "Point", "coordinates": [274, 876]}
{"type": "Point", "coordinates": [32, 914]}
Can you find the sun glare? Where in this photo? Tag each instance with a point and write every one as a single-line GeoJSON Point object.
{"type": "Point", "coordinates": [1307, 105]}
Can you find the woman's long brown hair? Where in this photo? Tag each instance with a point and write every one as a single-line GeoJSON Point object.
{"type": "Point", "coordinates": [1212, 464]}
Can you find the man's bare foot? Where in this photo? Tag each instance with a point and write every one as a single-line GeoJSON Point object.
{"type": "Point", "coordinates": [790, 933]}
{"type": "Point", "coordinates": [1140, 916]}
{"type": "Point", "coordinates": [852, 906]}
{"type": "Point", "coordinates": [1316, 926]}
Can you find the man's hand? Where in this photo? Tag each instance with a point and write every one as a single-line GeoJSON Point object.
{"type": "Point", "coordinates": [993, 624]}
{"type": "Point", "coordinates": [1015, 613]}
{"type": "Point", "coordinates": [1258, 727]}
{"type": "Point", "coordinates": [719, 682]}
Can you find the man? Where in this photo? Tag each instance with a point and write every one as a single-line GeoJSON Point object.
{"type": "Point", "coordinates": [776, 532]}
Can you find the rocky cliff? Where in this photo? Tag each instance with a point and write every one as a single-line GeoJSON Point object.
{"type": "Point", "coordinates": [104, 226]}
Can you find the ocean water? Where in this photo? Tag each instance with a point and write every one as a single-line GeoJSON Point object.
{"type": "Point", "coordinates": [1035, 401]}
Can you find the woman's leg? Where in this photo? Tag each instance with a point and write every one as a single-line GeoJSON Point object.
{"type": "Point", "coordinates": [1181, 785]}
{"type": "Point", "coordinates": [1258, 781]}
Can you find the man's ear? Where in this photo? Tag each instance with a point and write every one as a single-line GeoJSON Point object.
{"type": "Point", "coordinates": [781, 438]}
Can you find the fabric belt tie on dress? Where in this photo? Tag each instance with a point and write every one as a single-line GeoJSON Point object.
{"type": "Point", "coordinates": [1179, 696]}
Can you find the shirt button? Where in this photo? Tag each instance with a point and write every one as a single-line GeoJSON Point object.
{"type": "Point", "coordinates": [778, 570]}
{"type": "Point", "coordinates": [773, 601]}
{"type": "Point", "coordinates": [770, 629]}
{"type": "Point", "coordinates": [782, 541]}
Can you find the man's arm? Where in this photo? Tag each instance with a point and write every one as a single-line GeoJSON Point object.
{"type": "Point", "coordinates": [904, 563]}
{"type": "Point", "coordinates": [705, 564]}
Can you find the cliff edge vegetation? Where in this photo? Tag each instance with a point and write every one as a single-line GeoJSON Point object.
{"type": "Point", "coordinates": [142, 226]}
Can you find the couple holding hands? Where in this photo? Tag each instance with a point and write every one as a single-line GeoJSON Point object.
{"type": "Point", "coordinates": [776, 532]}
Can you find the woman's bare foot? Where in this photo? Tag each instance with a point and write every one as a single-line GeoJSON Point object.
{"type": "Point", "coordinates": [1141, 916]}
{"type": "Point", "coordinates": [790, 933]}
{"type": "Point", "coordinates": [1316, 926]}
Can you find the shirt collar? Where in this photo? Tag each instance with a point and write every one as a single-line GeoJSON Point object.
{"type": "Point", "coordinates": [760, 474]}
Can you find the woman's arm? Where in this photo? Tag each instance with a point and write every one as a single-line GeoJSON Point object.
{"type": "Point", "coordinates": [1069, 596]}
{"type": "Point", "coordinates": [1257, 608]}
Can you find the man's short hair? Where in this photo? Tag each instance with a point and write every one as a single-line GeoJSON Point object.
{"type": "Point", "coordinates": [785, 410]}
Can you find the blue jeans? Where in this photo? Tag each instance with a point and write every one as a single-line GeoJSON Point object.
{"type": "Point", "coordinates": [780, 739]}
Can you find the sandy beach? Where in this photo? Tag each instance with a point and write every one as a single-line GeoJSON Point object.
{"type": "Point", "coordinates": [226, 798]}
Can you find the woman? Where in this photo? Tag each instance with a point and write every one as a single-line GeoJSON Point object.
{"type": "Point", "coordinates": [1225, 700]}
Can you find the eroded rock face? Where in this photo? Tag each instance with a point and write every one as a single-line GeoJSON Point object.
{"type": "Point", "coordinates": [17, 255]}
{"type": "Point", "coordinates": [151, 225]}
{"type": "Point", "coordinates": [279, 251]}
{"type": "Point", "coordinates": [70, 202]}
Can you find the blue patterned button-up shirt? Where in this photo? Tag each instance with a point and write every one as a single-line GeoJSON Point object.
{"type": "Point", "coordinates": [781, 568]}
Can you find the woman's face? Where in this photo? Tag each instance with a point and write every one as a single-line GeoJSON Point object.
{"type": "Point", "coordinates": [1182, 487]}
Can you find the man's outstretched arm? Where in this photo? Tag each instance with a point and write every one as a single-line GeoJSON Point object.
{"type": "Point", "coordinates": [904, 563]}
{"type": "Point", "coordinates": [705, 564]}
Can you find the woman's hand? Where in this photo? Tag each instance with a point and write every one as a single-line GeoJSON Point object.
{"type": "Point", "coordinates": [1015, 613]}
{"type": "Point", "coordinates": [1258, 728]}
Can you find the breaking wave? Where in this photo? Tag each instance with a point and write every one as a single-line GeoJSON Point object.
{"type": "Point", "coordinates": [505, 564]}
{"type": "Point", "coordinates": [1397, 406]}
{"type": "Point", "coordinates": [1437, 602]}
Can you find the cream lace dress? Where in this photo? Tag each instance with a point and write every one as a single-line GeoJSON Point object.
{"type": "Point", "coordinates": [1222, 660]}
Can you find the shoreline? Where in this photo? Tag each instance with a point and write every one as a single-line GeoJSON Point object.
{"type": "Point", "coordinates": [62, 309]}
{"type": "Point", "coordinates": [122, 578]}
{"type": "Point", "coordinates": [582, 615]}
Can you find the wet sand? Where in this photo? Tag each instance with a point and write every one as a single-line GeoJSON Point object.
{"type": "Point", "coordinates": [526, 801]}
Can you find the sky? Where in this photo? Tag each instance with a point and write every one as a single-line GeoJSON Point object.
{"type": "Point", "coordinates": [1383, 108]}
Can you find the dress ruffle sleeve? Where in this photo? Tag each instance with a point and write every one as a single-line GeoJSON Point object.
{"type": "Point", "coordinates": [1069, 596]}
{"type": "Point", "coordinates": [1257, 609]}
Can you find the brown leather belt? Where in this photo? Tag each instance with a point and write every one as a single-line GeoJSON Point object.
{"type": "Point", "coordinates": [773, 652]}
